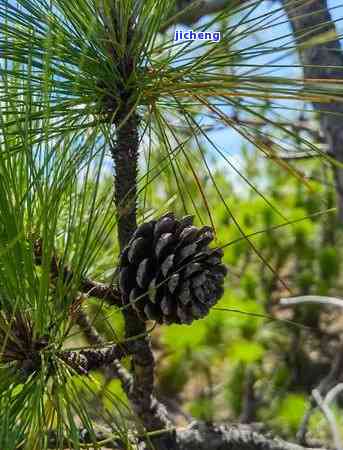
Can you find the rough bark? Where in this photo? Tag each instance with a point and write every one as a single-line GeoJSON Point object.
{"type": "Point", "coordinates": [310, 19]}
{"type": "Point", "coordinates": [124, 147]}
{"type": "Point", "coordinates": [125, 156]}
{"type": "Point", "coordinates": [84, 361]}
{"type": "Point", "coordinates": [202, 436]}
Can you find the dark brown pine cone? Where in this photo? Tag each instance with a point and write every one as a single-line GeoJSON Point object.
{"type": "Point", "coordinates": [168, 273]}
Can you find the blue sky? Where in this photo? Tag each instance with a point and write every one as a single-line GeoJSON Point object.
{"type": "Point", "coordinates": [229, 140]}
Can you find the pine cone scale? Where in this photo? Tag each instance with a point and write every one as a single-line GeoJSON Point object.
{"type": "Point", "coordinates": [168, 273]}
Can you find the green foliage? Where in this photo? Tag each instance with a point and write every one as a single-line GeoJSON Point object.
{"type": "Point", "coordinates": [245, 351]}
{"type": "Point", "coordinates": [60, 91]}
{"type": "Point", "coordinates": [291, 411]}
{"type": "Point", "coordinates": [177, 337]}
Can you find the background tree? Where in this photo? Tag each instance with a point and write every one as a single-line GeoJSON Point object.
{"type": "Point", "coordinates": [106, 124]}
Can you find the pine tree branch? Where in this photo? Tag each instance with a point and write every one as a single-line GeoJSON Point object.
{"type": "Point", "coordinates": [229, 437]}
{"type": "Point", "coordinates": [101, 291]}
{"type": "Point", "coordinates": [84, 361]}
{"type": "Point", "coordinates": [125, 150]}
{"type": "Point", "coordinates": [125, 155]}
{"type": "Point", "coordinates": [201, 436]}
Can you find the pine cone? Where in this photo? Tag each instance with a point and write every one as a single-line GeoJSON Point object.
{"type": "Point", "coordinates": [168, 273]}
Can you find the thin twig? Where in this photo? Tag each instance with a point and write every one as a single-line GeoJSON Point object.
{"type": "Point", "coordinates": [336, 369]}
{"type": "Point", "coordinates": [324, 387]}
{"type": "Point", "coordinates": [115, 370]}
{"type": "Point", "coordinates": [330, 417]}
{"type": "Point", "coordinates": [334, 392]}
{"type": "Point", "coordinates": [317, 299]}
